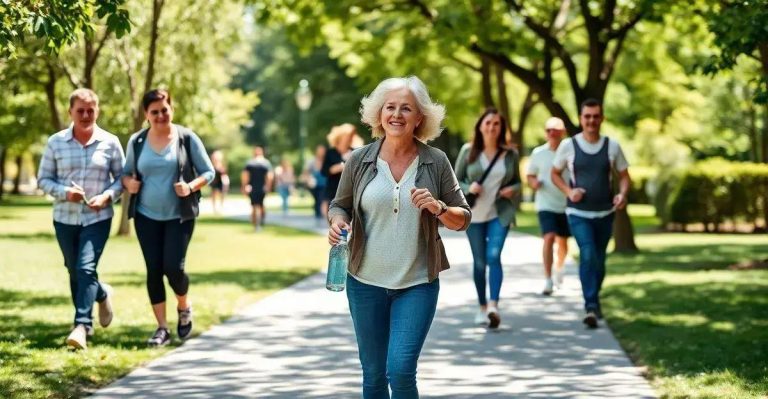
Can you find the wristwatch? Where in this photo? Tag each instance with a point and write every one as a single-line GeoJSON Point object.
{"type": "Point", "coordinates": [443, 208]}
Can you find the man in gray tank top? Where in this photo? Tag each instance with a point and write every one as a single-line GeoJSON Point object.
{"type": "Point", "coordinates": [591, 158]}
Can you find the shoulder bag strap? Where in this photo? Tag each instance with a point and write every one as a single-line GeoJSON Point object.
{"type": "Point", "coordinates": [490, 166]}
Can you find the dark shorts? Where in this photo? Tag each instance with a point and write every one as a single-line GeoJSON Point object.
{"type": "Point", "coordinates": [552, 222]}
{"type": "Point", "coordinates": [257, 197]}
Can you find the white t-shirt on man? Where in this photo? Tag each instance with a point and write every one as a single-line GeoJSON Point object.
{"type": "Point", "coordinates": [548, 197]}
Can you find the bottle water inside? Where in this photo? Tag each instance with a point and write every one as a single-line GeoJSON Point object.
{"type": "Point", "coordinates": [337, 265]}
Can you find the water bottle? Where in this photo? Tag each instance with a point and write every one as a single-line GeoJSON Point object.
{"type": "Point", "coordinates": [337, 265]}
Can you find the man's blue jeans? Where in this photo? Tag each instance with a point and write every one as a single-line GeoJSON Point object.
{"type": "Point", "coordinates": [391, 326]}
{"type": "Point", "coordinates": [82, 247]}
{"type": "Point", "coordinates": [592, 236]}
{"type": "Point", "coordinates": [487, 240]}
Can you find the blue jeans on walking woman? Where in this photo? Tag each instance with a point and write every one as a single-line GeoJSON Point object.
{"type": "Point", "coordinates": [82, 247]}
{"type": "Point", "coordinates": [487, 240]}
{"type": "Point", "coordinates": [592, 236]}
{"type": "Point", "coordinates": [391, 326]}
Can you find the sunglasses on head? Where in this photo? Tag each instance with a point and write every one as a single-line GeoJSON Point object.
{"type": "Point", "coordinates": [156, 112]}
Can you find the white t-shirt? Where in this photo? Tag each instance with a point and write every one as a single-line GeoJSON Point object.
{"type": "Point", "coordinates": [395, 251]}
{"type": "Point", "coordinates": [485, 205]}
{"type": "Point", "coordinates": [548, 196]}
{"type": "Point", "coordinates": [564, 160]}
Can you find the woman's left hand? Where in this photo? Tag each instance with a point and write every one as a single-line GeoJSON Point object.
{"type": "Point", "coordinates": [507, 192]}
{"type": "Point", "coordinates": [422, 199]}
{"type": "Point", "coordinates": [182, 189]}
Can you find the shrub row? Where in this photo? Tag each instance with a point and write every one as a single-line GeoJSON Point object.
{"type": "Point", "coordinates": [712, 192]}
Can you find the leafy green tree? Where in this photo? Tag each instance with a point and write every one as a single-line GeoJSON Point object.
{"type": "Point", "coordinates": [748, 43]}
{"type": "Point", "coordinates": [57, 22]}
{"type": "Point", "coordinates": [274, 71]}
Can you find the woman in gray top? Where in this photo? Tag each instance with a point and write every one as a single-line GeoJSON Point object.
{"type": "Point", "coordinates": [395, 191]}
{"type": "Point", "coordinates": [166, 166]}
{"type": "Point", "coordinates": [494, 209]}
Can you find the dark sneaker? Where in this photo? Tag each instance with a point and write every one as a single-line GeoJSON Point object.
{"type": "Point", "coordinates": [162, 337]}
{"type": "Point", "coordinates": [591, 319]}
{"type": "Point", "coordinates": [493, 317]}
{"type": "Point", "coordinates": [184, 327]}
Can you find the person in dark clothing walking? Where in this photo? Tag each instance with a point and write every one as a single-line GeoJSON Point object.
{"type": "Point", "coordinates": [590, 159]}
{"type": "Point", "coordinates": [256, 180]}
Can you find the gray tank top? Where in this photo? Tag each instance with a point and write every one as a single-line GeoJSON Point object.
{"type": "Point", "coordinates": [592, 172]}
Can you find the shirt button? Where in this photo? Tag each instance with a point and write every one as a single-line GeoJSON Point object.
{"type": "Point", "coordinates": [395, 210]}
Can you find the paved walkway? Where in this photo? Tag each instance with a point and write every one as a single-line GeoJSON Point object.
{"type": "Point", "coordinates": [299, 343]}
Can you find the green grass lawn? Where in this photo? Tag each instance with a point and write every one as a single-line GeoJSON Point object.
{"type": "Point", "coordinates": [699, 328]}
{"type": "Point", "coordinates": [229, 267]}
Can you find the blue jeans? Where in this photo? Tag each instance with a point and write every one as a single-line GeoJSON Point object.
{"type": "Point", "coordinates": [487, 240]}
{"type": "Point", "coordinates": [82, 247]}
{"type": "Point", "coordinates": [285, 192]}
{"type": "Point", "coordinates": [592, 236]}
{"type": "Point", "coordinates": [391, 326]}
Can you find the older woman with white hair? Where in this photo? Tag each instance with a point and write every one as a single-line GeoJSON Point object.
{"type": "Point", "coordinates": [394, 193]}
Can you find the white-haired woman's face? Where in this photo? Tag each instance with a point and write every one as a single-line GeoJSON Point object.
{"type": "Point", "coordinates": [400, 114]}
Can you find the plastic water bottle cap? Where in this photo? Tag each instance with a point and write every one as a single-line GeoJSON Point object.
{"type": "Point", "coordinates": [344, 233]}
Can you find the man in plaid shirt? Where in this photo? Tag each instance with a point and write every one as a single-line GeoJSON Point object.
{"type": "Point", "coordinates": [81, 169]}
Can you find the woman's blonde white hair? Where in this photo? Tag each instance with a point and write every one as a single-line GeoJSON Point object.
{"type": "Point", "coordinates": [432, 113]}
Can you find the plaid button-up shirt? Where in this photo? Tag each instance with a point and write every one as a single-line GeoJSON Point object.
{"type": "Point", "coordinates": [95, 166]}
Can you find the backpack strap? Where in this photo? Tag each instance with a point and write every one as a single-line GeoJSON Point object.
{"type": "Point", "coordinates": [138, 145]}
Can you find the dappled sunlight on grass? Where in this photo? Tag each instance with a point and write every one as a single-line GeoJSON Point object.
{"type": "Point", "coordinates": [229, 265]}
{"type": "Point", "coordinates": [699, 327]}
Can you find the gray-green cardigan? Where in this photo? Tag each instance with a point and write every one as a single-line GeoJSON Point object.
{"type": "Point", "coordinates": [434, 173]}
{"type": "Point", "coordinates": [467, 173]}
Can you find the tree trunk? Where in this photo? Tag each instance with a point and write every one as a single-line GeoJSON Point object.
{"type": "Point", "coordinates": [17, 179]}
{"type": "Point", "coordinates": [485, 82]}
{"type": "Point", "coordinates": [765, 136]}
{"type": "Point", "coordinates": [623, 233]}
{"type": "Point", "coordinates": [3, 153]}
{"type": "Point", "coordinates": [50, 94]}
{"type": "Point", "coordinates": [138, 120]}
{"type": "Point", "coordinates": [754, 143]}
{"type": "Point", "coordinates": [501, 91]}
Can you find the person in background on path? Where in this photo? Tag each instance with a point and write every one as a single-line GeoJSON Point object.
{"type": "Point", "coordinates": [255, 182]}
{"type": "Point", "coordinates": [550, 203]}
{"type": "Point", "coordinates": [313, 177]}
{"type": "Point", "coordinates": [494, 210]}
{"type": "Point", "coordinates": [286, 180]}
{"type": "Point", "coordinates": [166, 167]}
{"type": "Point", "coordinates": [395, 192]}
{"type": "Point", "coordinates": [340, 141]}
{"type": "Point", "coordinates": [220, 183]}
{"type": "Point", "coordinates": [591, 158]}
{"type": "Point", "coordinates": [81, 168]}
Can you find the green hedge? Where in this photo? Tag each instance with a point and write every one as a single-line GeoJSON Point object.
{"type": "Point", "coordinates": [712, 192]}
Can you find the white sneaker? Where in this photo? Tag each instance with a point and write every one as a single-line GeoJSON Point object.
{"type": "Point", "coordinates": [105, 307]}
{"type": "Point", "coordinates": [77, 338]}
{"type": "Point", "coordinates": [547, 288]}
{"type": "Point", "coordinates": [559, 276]}
{"type": "Point", "coordinates": [481, 318]}
{"type": "Point", "coordinates": [493, 317]}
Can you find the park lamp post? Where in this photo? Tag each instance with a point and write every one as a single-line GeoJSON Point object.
{"type": "Point", "coordinates": [303, 101]}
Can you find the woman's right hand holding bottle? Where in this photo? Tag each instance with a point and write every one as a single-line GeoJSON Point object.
{"type": "Point", "coordinates": [334, 231]}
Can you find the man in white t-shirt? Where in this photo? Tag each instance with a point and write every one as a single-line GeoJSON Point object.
{"type": "Point", "coordinates": [550, 202]}
{"type": "Point", "coordinates": [591, 158]}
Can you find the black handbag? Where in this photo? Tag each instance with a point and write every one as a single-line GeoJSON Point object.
{"type": "Point", "coordinates": [472, 197]}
